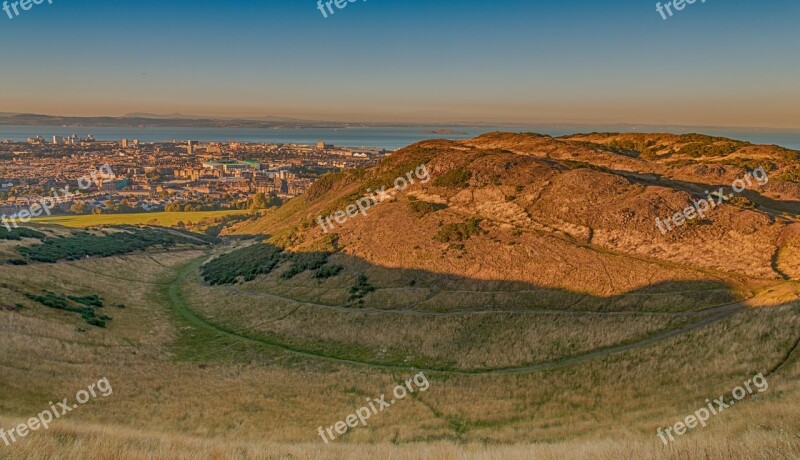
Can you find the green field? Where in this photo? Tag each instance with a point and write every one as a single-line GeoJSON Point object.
{"type": "Point", "coordinates": [166, 219]}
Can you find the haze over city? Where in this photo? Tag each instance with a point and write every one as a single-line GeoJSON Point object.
{"type": "Point", "coordinates": [731, 63]}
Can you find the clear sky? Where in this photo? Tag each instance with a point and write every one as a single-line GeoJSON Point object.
{"type": "Point", "coordinates": [722, 62]}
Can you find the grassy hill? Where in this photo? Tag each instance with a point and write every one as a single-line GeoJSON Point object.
{"type": "Point", "coordinates": [526, 279]}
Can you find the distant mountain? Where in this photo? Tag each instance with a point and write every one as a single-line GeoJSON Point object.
{"type": "Point", "coordinates": [176, 115]}
{"type": "Point", "coordinates": [182, 116]}
{"type": "Point", "coordinates": [161, 121]}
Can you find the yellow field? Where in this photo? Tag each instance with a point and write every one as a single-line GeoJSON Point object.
{"type": "Point", "coordinates": [166, 219]}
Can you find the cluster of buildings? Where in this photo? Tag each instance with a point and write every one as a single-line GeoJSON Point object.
{"type": "Point", "coordinates": [152, 176]}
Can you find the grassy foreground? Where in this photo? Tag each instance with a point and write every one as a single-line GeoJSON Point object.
{"type": "Point", "coordinates": [165, 219]}
{"type": "Point", "coordinates": [221, 396]}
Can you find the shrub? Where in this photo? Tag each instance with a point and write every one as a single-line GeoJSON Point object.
{"type": "Point", "coordinates": [422, 208]}
{"type": "Point", "coordinates": [81, 244]}
{"type": "Point", "coordinates": [361, 288]}
{"type": "Point", "coordinates": [456, 177]}
{"type": "Point", "coordinates": [92, 300]}
{"type": "Point", "coordinates": [302, 261]}
{"type": "Point", "coordinates": [744, 202]}
{"type": "Point", "coordinates": [328, 271]}
{"type": "Point", "coordinates": [247, 262]}
{"type": "Point", "coordinates": [17, 234]}
{"type": "Point", "coordinates": [459, 231]}
{"type": "Point", "coordinates": [86, 306]}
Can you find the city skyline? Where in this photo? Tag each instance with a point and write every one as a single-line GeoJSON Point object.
{"type": "Point", "coordinates": [575, 62]}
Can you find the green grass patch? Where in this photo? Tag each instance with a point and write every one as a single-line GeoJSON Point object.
{"type": "Point", "coordinates": [163, 219]}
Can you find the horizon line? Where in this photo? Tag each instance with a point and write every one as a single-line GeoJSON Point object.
{"type": "Point", "coordinates": [390, 123]}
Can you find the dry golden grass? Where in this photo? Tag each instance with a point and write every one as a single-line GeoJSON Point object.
{"type": "Point", "coordinates": [81, 441]}
{"type": "Point", "coordinates": [461, 341]}
{"type": "Point", "coordinates": [184, 392]}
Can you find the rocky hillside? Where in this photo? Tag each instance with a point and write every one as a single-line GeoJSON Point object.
{"type": "Point", "coordinates": [576, 212]}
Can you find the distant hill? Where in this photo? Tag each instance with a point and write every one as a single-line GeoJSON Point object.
{"type": "Point", "coordinates": [156, 121]}
{"type": "Point", "coordinates": [183, 116]}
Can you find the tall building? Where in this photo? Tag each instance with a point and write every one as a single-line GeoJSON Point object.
{"type": "Point", "coordinates": [190, 147]}
{"type": "Point", "coordinates": [124, 143]}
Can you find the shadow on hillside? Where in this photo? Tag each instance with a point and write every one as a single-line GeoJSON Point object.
{"type": "Point", "coordinates": [698, 191]}
{"type": "Point", "coordinates": [352, 282]}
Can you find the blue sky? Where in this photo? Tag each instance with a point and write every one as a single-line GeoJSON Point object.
{"type": "Point", "coordinates": [731, 62]}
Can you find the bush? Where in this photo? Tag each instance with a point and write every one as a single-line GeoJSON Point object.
{"type": "Point", "coordinates": [92, 300]}
{"type": "Point", "coordinates": [260, 259]}
{"type": "Point", "coordinates": [248, 262]}
{"type": "Point", "coordinates": [742, 201]}
{"type": "Point", "coordinates": [302, 261]}
{"type": "Point", "coordinates": [328, 271]}
{"type": "Point", "coordinates": [17, 234]}
{"type": "Point", "coordinates": [86, 306]}
{"type": "Point", "coordinates": [82, 244]}
{"type": "Point", "coordinates": [456, 177]}
{"type": "Point", "coordinates": [422, 208]}
{"type": "Point", "coordinates": [361, 288]}
{"type": "Point", "coordinates": [459, 231]}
